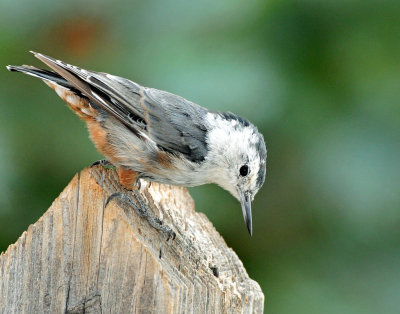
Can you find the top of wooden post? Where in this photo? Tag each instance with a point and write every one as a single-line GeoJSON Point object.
{"type": "Point", "coordinates": [81, 256]}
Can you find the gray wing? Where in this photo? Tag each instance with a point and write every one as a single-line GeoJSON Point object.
{"type": "Point", "coordinates": [174, 123]}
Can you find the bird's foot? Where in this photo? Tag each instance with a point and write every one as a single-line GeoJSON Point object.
{"type": "Point", "coordinates": [103, 162]}
{"type": "Point", "coordinates": [142, 209]}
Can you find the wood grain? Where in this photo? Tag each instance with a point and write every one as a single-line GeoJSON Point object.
{"type": "Point", "coordinates": [83, 257]}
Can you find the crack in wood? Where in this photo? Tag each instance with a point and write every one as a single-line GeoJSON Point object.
{"type": "Point", "coordinates": [73, 245]}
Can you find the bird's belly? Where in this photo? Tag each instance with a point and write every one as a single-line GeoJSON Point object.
{"type": "Point", "coordinates": [181, 177]}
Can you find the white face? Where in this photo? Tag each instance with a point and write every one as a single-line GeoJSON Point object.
{"type": "Point", "coordinates": [233, 149]}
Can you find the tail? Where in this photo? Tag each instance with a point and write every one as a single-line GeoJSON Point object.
{"type": "Point", "coordinates": [67, 92]}
{"type": "Point", "coordinates": [45, 75]}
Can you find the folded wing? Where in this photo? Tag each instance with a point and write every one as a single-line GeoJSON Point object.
{"type": "Point", "coordinates": [175, 124]}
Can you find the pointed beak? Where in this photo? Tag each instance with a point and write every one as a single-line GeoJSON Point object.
{"type": "Point", "coordinates": [245, 200]}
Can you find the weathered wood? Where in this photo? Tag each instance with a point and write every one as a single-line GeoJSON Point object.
{"type": "Point", "coordinates": [83, 257]}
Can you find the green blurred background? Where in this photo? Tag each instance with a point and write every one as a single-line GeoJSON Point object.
{"type": "Point", "coordinates": [319, 78]}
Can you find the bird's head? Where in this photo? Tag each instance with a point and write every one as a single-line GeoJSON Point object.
{"type": "Point", "coordinates": [237, 151]}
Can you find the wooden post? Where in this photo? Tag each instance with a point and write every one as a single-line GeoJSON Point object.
{"type": "Point", "coordinates": [83, 257]}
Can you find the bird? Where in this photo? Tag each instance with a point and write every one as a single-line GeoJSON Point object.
{"type": "Point", "coordinates": [157, 136]}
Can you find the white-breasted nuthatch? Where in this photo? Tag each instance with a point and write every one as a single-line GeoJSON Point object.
{"type": "Point", "coordinates": [155, 135]}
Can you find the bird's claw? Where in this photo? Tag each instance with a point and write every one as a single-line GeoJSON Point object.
{"type": "Point", "coordinates": [137, 184]}
{"type": "Point", "coordinates": [103, 162]}
{"type": "Point", "coordinates": [114, 195]}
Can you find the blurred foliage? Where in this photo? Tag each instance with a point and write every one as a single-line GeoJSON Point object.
{"type": "Point", "coordinates": [320, 79]}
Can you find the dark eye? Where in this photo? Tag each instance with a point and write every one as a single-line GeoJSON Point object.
{"type": "Point", "coordinates": [244, 170]}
